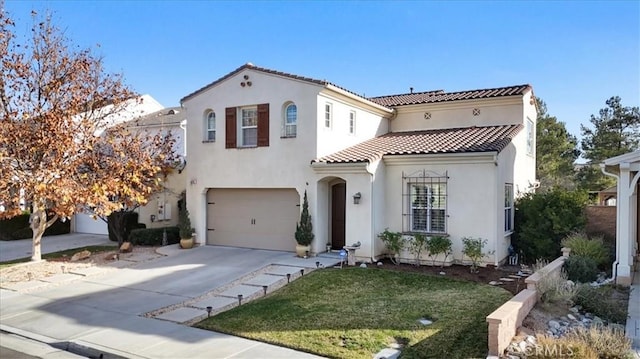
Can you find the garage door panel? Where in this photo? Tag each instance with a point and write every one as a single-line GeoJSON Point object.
{"type": "Point", "coordinates": [253, 218]}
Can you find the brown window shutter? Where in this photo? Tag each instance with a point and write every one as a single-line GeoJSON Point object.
{"type": "Point", "coordinates": [230, 128]}
{"type": "Point", "coordinates": [263, 125]}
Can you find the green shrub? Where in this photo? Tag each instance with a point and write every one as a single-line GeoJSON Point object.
{"type": "Point", "coordinates": [583, 246]}
{"type": "Point", "coordinates": [18, 228]}
{"type": "Point", "coordinates": [439, 245]}
{"type": "Point", "coordinates": [130, 223]}
{"type": "Point", "coordinates": [394, 243]}
{"type": "Point", "coordinates": [581, 269]}
{"type": "Point", "coordinates": [472, 248]}
{"type": "Point", "coordinates": [608, 342]}
{"type": "Point", "coordinates": [607, 302]}
{"type": "Point", "coordinates": [543, 219]}
{"type": "Point", "coordinates": [153, 236]}
{"type": "Point", "coordinates": [419, 243]}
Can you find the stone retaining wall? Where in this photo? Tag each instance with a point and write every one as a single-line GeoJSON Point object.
{"type": "Point", "coordinates": [505, 321]}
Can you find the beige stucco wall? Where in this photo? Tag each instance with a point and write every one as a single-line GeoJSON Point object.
{"type": "Point", "coordinates": [286, 162]}
{"type": "Point", "coordinates": [472, 205]}
{"type": "Point", "coordinates": [499, 111]}
{"type": "Point", "coordinates": [174, 185]}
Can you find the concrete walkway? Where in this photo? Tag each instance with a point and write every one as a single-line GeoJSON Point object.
{"type": "Point", "coordinates": [108, 314]}
{"type": "Point", "coordinates": [10, 250]}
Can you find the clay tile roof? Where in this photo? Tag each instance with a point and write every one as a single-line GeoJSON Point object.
{"type": "Point", "coordinates": [273, 72]}
{"type": "Point", "coordinates": [450, 140]}
{"type": "Point", "coordinates": [442, 96]}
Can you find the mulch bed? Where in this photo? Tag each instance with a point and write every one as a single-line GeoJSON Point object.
{"type": "Point", "coordinates": [484, 274]}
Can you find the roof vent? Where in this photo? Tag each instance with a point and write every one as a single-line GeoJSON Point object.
{"type": "Point", "coordinates": [172, 112]}
{"type": "Point", "coordinates": [410, 89]}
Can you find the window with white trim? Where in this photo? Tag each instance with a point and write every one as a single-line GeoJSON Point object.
{"type": "Point", "coordinates": [508, 207]}
{"type": "Point", "coordinates": [530, 137]}
{"type": "Point", "coordinates": [426, 202]}
{"type": "Point", "coordinates": [328, 115]}
{"type": "Point", "coordinates": [352, 122]}
{"type": "Point", "coordinates": [248, 126]}
{"type": "Point", "coordinates": [210, 123]}
{"type": "Point", "coordinates": [290, 126]}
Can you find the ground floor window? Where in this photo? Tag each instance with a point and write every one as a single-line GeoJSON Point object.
{"type": "Point", "coordinates": [425, 202]}
{"type": "Point", "coordinates": [508, 207]}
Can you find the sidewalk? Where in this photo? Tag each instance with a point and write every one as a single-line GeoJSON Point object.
{"type": "Point", "coordinates": [10, 250]}
{"type": "Point", "coordinates": [633, 319]}
{"type": "Point", "coordinates": [107, 314]}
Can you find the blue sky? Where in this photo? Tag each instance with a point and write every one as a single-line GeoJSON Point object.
{"type": "Point", "coordinates": [576, 54]}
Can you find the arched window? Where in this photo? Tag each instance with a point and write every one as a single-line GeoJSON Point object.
{"type": "Point", "coordinates": [290, 125]}
{"type": "Point", "coordinates": [210, 126]}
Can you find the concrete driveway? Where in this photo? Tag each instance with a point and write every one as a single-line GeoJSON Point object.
{"type": "Point", "coordinates": [10, 250]}
{"type": "Point", "coordinates": [104, 313]}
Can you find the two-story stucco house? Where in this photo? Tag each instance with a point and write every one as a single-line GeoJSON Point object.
{"type": "Point", "coordinates": [445, 163]}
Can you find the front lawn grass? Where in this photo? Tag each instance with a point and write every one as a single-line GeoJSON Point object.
{"type": "Point", "coordinates": [61, 254]}
{"type": "Point", "coordinates": [355, 312]}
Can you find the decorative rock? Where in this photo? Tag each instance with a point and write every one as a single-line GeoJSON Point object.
{"type": "Point", "coordinates": [424, 321]}
{"type": "Point", "coordinates": [126, 247]}
{"type": "Point", "coordinates": [111, 257]}
{"type": "Point", "coordinates": [571, 316]}
{"type": "Point", "coordinates": [574, 310]}
{"type": "Point", "coordinates": [363, 265]}
{"type": "Point", "coordinates": [531, 340]}
{"type": "Point", "coordinates": [522, 346]}
{"type": "Point", "coordinates": [379, 264]}
{"type": "Point", "coordinates": [81, 255]}
{"type": "Point", "coordinates": [563, 319]}
{"type": "Point", "coordinates": [493, 282]}
{"type": "Point", "coordinates": [554, 324]}
{"type": "Point", "coordinates": [442, 273]}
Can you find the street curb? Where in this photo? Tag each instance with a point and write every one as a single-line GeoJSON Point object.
{"type": "Point", "coordinates": [78, 347]}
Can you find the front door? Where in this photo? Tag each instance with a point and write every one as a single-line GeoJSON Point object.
{"type": "Point", "coordinates": [338, 198]}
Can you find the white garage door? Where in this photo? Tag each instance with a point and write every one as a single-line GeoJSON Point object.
{"type": "Point", "coordinates": [253, 218]}
{"type": "Point", "coordinates": [85, 224]}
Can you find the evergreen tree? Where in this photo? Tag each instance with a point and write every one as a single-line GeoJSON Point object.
{"type": "Point", "coordinates": [304, 229]}
{"type": "Point", "coordinates": [556, 151]}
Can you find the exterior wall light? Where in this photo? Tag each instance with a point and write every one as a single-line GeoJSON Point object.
{"type": "Point", "coordinates": [356, 198]}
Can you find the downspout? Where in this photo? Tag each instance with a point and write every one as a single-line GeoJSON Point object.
{"type": "Point", "coordinates": [495, 245]}
{"type": "Point", "coordinates": [615, 263]}
{"type": "Point", "coordinates": [371, 169]}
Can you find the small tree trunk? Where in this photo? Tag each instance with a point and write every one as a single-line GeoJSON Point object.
{"type": "Point", "coordinates": [39, 224]}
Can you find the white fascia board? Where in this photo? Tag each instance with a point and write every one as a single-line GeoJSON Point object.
{"type": "Point", "coordinates": [356, 100]}
{"type": "Point", "coordinates": [336, 168]}
{"type": "Point", "coordinates": [442, 158]}
{"type": "Point", "coordinates": [627, 157]}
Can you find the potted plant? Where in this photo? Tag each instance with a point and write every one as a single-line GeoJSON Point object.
{"type": "Point", "coordinates": [186, 231]}
{"type": "Point", "coordinates": [304, 230]}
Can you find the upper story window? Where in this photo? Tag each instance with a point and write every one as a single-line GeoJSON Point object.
{"type": "Point", "coordinates": [508, 207]}
{"type": "Point", "coordinates": [328, 115]}
{"type": "Point", "coordinates": [248, 126]}
{"type": "Point", "coordinates": [530, 137]}
{"type": "Point", "coordinates": [290, 126]}
{"type": "Point", "coordinates": [426, 202]}
{"type": "Point", "coordinates": [210, 123]}
{"type": "Point", "coordinates": [352, 122]}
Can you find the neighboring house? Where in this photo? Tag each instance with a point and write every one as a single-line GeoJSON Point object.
{"type": "Point", "coordinates": [441, 163]}
{"type": "Point", "coordinates": [84, 222]}
{"type": "Point", "coordinates": [626, 170]}
{"type": "Point", "coordinates": [162, 208]}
